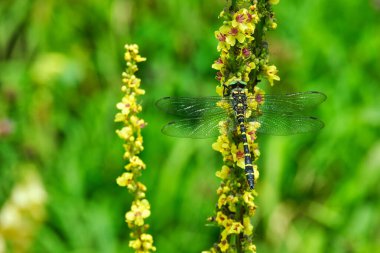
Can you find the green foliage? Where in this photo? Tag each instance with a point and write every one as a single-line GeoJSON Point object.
{"type": "Point", "coordinates": [60, 75]}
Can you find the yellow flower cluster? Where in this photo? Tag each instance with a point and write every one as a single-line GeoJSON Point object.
{"type": "Point", "coordinates": [233, 196]}
{"type": "Point", "coordinates": [234, 153]}
{"type": "Point", "coordinates": [237, 43]}
{"type": "Point", "coordinates": [237, 31]}
{"type": "Point", "coordinates": [129, 108]}
{"type": "Point", "coordinates": [143, 243]}
{"type": "Point", "coordinates": [140, 210]}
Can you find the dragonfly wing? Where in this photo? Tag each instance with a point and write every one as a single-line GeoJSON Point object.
{"type": "Point", "coordinates": [287, 124]}
{"type": "Point", "coordinates": [201, 127]}
{"type": "Point", "coordinates": [291, 103]}
{"type": "Point", "coordinates": [191, 107]}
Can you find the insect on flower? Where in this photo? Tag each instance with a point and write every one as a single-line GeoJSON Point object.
{"type": "Point", "coordinates": [201, 117]}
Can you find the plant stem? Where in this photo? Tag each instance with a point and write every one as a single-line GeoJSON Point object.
{"type": "Point", "coordinates": [233, 5]}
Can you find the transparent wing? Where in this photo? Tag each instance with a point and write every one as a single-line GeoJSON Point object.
{"type": "Point", "coordinates": [291, 103]}
{"type": "Point", "coordinates": [201, 127]}
{"type": "Point", "coordinates": [285, 124]}
{"type": "Point", "coordinates": [192, 107]}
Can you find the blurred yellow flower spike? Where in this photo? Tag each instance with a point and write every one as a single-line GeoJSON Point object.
{"type": "Point", "coordinates": [243, 60]}
{"type": "Point", "coordinates": [130, 133]}
{"type": "Point", "coordinates": [143, 244]}
{"type": "Point", "coordinates": [23, 213]}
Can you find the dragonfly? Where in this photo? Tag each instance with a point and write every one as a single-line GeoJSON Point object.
{"type": "Point", "coordinates": [200, 117]}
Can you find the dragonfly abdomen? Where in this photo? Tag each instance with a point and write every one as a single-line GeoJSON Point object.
{"type": "Point", "coordinates": [248, 167]}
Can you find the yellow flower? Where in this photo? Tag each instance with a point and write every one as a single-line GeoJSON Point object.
{"type": "Point", "coordinates": [235, 228]}
{"type": "Point", "coordinates": [128, 104]}
{"type": "Point", "coordinates": [219, 90]}
{"type": "Point", "coordinates": [141, 189]}
{"type": "Point", "coordinates": [125, 179]}
{"type": "Point", "coordinates": [140, 210]}
{"type": "Point", "coordinates": [243, 21]}
{"type": "Point", "coordinates": [255, 150]}
{"type": "Point", "coordinates": [135, 244]}
{"type": "Point", "coordinates": [238, 154]}
{"type": "Point", "coordinates": [251, 248]}
{"type": "Point", "coordinates": [222, 145]}
{"type": "Point", "coordinates": [248, 227]}
{"type": "Point", "coordinates": [218, 64]}
{"type": "Point", "coordinates": [138, 143]}
{"type": "Point", "coordinates": [231, 227]}
{"type": "Point", "coordinates": [251, 131]}
{"type": "Point", "coordinates": [138, 58]}
{"type": "Point", "coordinates": [221, 218]}
{"type": "Point", "coordinates": [248, 200]}
{"type": "Point", "coordinates": [132, 54]}
{"type": "Point", "coordinates": [223, 173]}
{"type": "Point", "coordinates": [259, 95]}
{"type": "Point", "coordinates": [231, 200]}
{"type": "Point", "coordinates": [137, 162]}
{"type": "Point", "coordinates": [147, 242]}
{"type": "Point", "coordinates": [232, 34]}
{"type": "Point", "coordinates": [222, 200]}
{"type": "Point", "coordinates": [255, 170]}
{"type": "Point", "coordinates": [136, 122]}
{"type": "Point", "coordinates": [273, 25]}
{"type": "Point", "coordinates": [222, 37]}
{"type": "Point", "coordinates": [224, 189]}
{"type": "Point", "coordinates": [250, 66]}
{"type": "Point", "coordinates": [125, 133]}
{"type": "Point", "coordinates": [223, 245]}
{"type": "Point", "coordinates": [271, 74]}
{"type": "Point", "coordinates": [131, 81]}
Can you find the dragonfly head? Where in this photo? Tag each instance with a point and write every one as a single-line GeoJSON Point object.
{"type": "Point", "coordinates": [228, 87]}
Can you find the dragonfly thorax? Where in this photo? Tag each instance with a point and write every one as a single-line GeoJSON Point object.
{"type": "Point", "coordinates": [239, 100]}
{"type": "Point", "coordinates": [228, 89]}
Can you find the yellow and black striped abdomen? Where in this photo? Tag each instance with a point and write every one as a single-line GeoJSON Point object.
{"type": "Point", "coordinates": [247, 154]}
{"type": "Point", "coordinates": [239, 104]}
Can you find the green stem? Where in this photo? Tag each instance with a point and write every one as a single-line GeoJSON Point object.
{"type": "Point", "coordinates": [239, 217]}
{"type": "Point", "coordinates": [258, 48]}
{"type": "Point", "coordinates": [233, 6]}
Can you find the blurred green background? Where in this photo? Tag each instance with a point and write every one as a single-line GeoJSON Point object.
{"type": "Point", "coordinates": [60, 78]}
